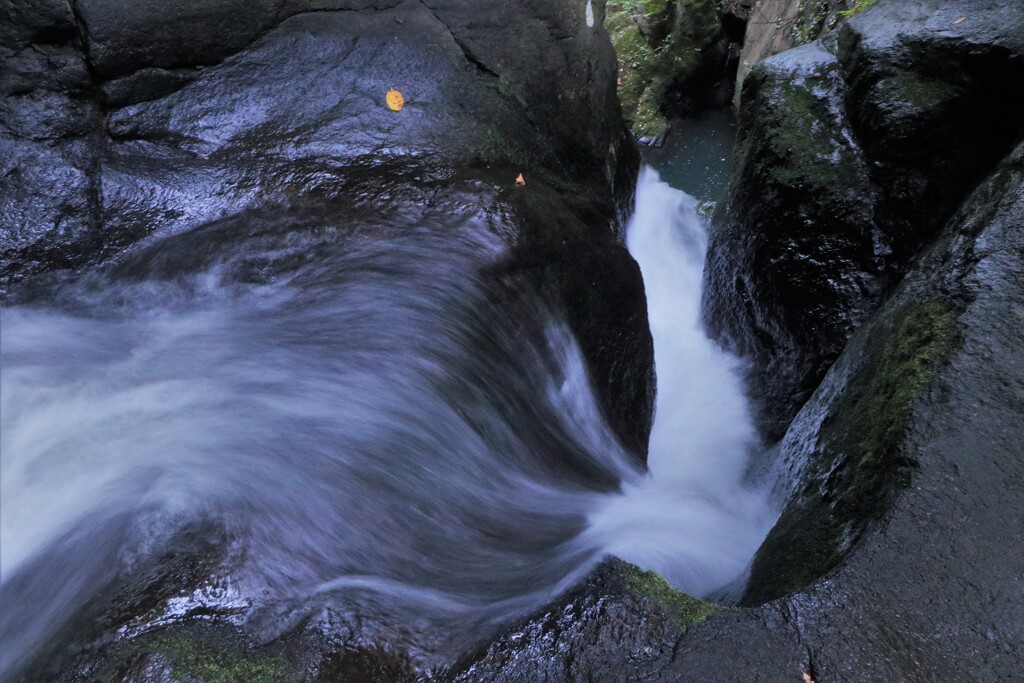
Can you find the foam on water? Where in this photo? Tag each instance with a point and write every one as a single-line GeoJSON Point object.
{"type": "Point", "coordinates": [693, 519]}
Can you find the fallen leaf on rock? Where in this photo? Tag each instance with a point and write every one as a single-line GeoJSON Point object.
{"type": "Point", "coordinates": [807, 678]}
{"type": "Point", "coordinates": [960, 20]}
{"type": "Point", "coordinates": [395, 100]}
{"type": "Point", "coordinates": [520, 180]}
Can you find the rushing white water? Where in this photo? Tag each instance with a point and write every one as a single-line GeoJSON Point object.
{"type": "Point", "coordinates": [692, 519]}
{"type": "Point", "coordinates": [378, 428]}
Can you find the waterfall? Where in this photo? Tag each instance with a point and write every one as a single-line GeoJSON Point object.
{"type": "Point", "coordinates": [693, 519]}
{"type": "Point", "coordinates": [378, 429]}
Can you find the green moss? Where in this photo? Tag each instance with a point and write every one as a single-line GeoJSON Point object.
{"type": "Point", "coordinates": [858, 464]}
{"type": "Point", "coordinates": [660, 44]}
{"type": "Point", "coordinates": [687, 609]}
{"type": "Point", "coordinates": [858, 7]}
{"type": "Point", "coordinates": [873, 417]}
{"type": "Point", "coordinates": [212, 659]}
{"type": "Point", "coordinates": [912, 89]}
{"type": "Point", "coordinates": [797, 142]}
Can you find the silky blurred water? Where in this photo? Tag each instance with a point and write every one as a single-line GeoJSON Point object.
{"type": "Point", "coordinates": [379, 428]}
{"type": "Point", "coordinates": [693, 519]}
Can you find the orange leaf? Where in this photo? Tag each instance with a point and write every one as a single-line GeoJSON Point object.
{"type": "Point", "coordinates": [807, 678]}
{"type": "Point", "coordinates": [520, 180]}
{"type": "Point", "coordinates": [395, 100]}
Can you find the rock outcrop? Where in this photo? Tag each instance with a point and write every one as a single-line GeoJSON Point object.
{"type": "Point", "coordinates": [852, 153]}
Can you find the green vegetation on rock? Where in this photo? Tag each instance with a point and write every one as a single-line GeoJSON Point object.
{"type": "Point", "coordinates": [689, 610]}
{"type": "Point", "coordinates": [913, 90]}
{"type": "Point", "coordinates": [873, 417]}
{"type": "Point", "coordinates": [858, 7]}
{"type": "Point", "coordinates": [212, 659]}
{"type": "Point", "coordinates": [661, 44]}
{"type": "Point", "coordinates": [857, 465]}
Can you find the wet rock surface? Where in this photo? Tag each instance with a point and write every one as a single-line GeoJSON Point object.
{"type": "Point", "coordinates": [853, 152]}
{"type": "Point", "coordinates": [122, 125]}
{"type": "Point", "coordinates": [139, 141]}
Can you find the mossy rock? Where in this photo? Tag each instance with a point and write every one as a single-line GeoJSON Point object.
{"type": "Point", "coordinates": [189, 652]}
{"type": "Point", "coordinates": [210, 657]}
{"type": "Point", "coordinates": [686, 609]}
{"type": "Point", "coordinates": [663, 46]}
{"type": "Point", "coordinates": [858, 465]}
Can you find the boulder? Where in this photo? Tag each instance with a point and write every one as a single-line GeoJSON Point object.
{"type": "Point", "coordinates": [853, 151]}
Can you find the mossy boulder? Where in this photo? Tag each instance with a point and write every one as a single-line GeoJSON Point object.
{"type": "Point", "coordinates": [792, 259]}
{"type": "Point", "coordinates": [670, 51]}
{"type": "Point", "coordinates": [853, 152]}
{"type": "Point", "coordinates": [856, 465]}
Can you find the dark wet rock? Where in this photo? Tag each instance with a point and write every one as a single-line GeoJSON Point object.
{"type": "Point", "coordinates": [793, 262]}
{"type": "Point", "coordinates": [852, 153]}
{"type": "Point", "coordinates": [935, 107]}
{"type": "Point", "coordinates": [908, 454]}
{"type": "Point", "coordinates": [122, 124]}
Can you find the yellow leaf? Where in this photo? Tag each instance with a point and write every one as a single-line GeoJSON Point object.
{"type": "Point", "coordinates": [395, 100]}
{"type": "Point", "coordinates": [960, 20]}
{"type": "Point", "coordinates": [520, 180]}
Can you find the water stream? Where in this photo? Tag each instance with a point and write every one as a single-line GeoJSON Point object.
{"type": "Point", "coordinates": [373, 430]}
{"type": "Point", "coordinates": [693, 519]}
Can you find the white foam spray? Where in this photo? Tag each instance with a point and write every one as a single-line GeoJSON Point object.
{"type": "Point", "coordinates": [692, 519]}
